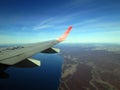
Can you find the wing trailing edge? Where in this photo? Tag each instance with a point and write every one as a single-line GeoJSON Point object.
{"type": "Point", "coordinates": [51, 50]}
{"type": "Point", "coordinates": [64, 36]}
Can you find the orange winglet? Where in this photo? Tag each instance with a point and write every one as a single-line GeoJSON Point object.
{"type": "Point", "coordinates": [64, 36]}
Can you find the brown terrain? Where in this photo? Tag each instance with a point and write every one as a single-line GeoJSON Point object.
{"type": "Point", "coordinates": [90, 67]}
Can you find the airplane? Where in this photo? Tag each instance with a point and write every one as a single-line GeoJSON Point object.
{"type": "Point", "coordinates": [20, 56]}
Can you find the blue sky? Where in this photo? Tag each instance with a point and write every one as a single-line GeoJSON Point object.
{"type": "Point", "coordinates": [29, 21]}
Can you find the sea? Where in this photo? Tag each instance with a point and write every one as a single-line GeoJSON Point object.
{"type": "Point", "coordinates": [45, 77]}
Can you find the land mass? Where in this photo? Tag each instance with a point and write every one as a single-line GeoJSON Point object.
{"type": "Point", "coordinates": [90, 67]}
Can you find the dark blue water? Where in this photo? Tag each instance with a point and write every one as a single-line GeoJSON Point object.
{"type": "Point", "coordinates": [45, 77]}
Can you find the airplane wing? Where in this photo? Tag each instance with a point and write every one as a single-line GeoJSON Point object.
{"type": "Point", "coordinates": [21, 54]}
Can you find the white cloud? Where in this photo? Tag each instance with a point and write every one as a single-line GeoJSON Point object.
{"type": "Point", "coordinates": [41, 27]}
{"type": "Point", "coordinates": [55, 23]}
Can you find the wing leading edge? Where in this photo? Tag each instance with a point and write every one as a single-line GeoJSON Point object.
{"type": "Point", "coordinates": [12, 57]}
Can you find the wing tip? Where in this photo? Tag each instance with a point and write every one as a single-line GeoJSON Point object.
{"type": "Point", "coordinates": [64, 36]}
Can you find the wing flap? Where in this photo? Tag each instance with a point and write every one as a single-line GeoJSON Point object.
{"type": "Point", "coordinates": [51, 50]}
{"type": "Point", "coordinates": [27, 63]}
